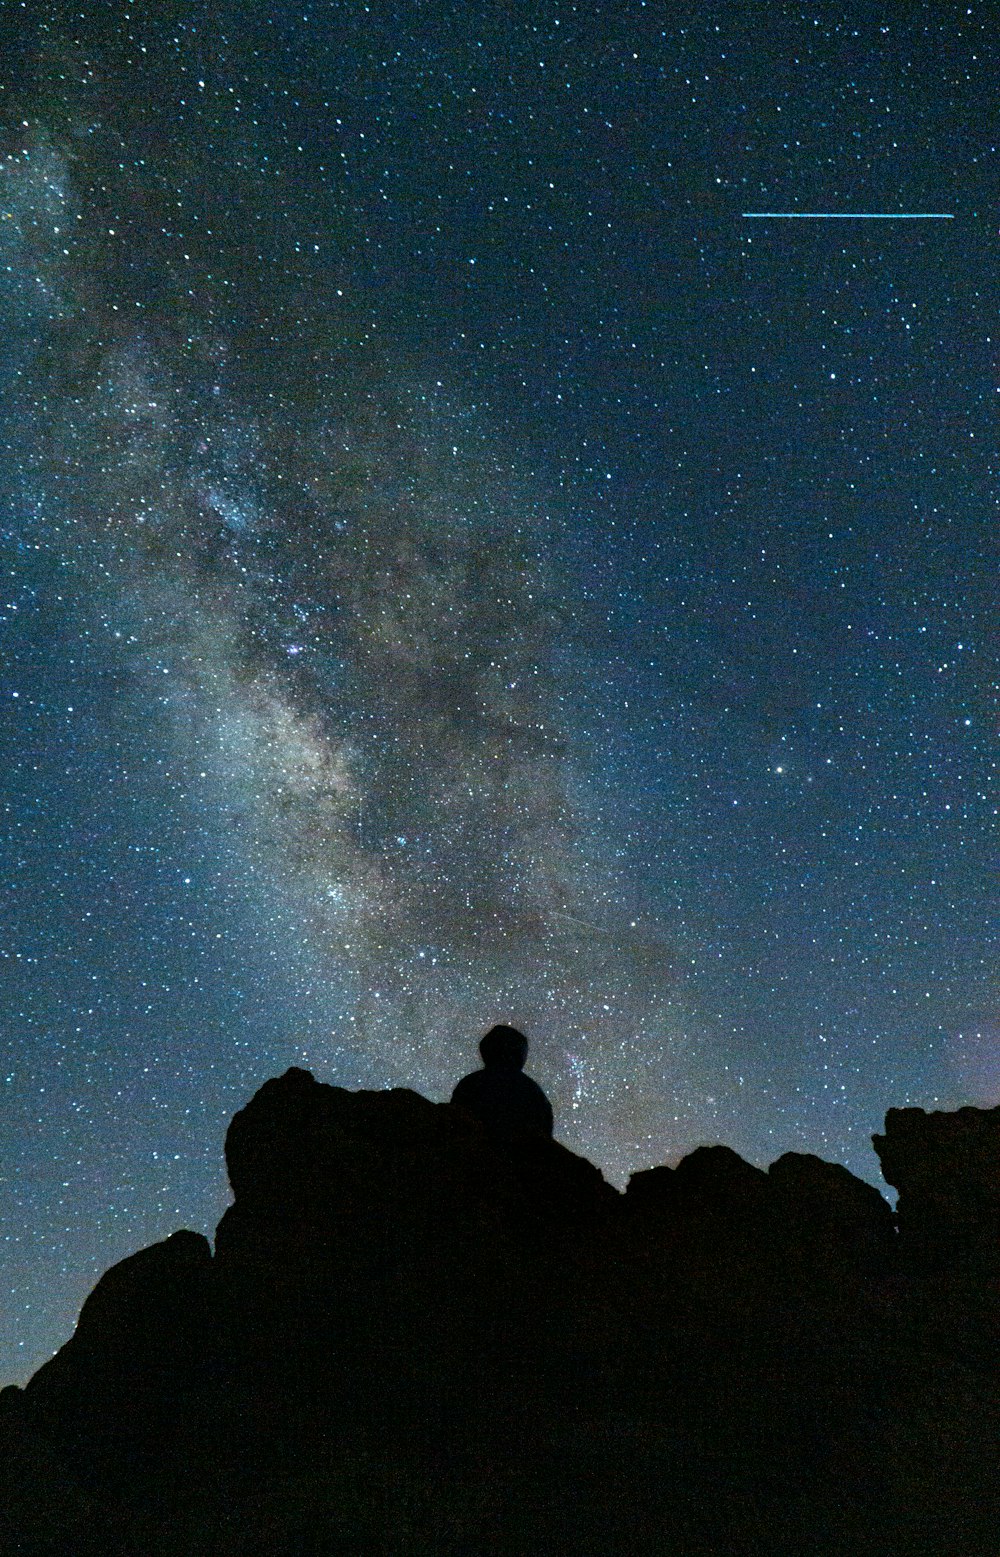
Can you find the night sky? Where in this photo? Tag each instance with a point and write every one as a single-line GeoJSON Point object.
{"type": "Point", "coordinates": [457, 567]}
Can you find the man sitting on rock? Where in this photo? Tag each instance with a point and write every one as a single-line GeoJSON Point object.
{"type": "Point", "coordinates": [500, 1094]}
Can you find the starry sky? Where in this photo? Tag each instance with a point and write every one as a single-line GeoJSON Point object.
{"type": "Point", "coordinates": [458, 567]}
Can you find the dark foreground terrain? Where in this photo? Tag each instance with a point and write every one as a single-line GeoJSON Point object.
{"type": "Point", "coordinates": [413, 1337]}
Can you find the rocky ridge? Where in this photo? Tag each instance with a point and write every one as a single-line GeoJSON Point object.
{"type": "Point", "coordinates": [414, 1336]}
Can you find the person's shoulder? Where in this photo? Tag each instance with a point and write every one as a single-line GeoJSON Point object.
{"type": "Point", "coordinates": [468, 1087]}
{"type": "Point", "coordinates": [541, 1103]}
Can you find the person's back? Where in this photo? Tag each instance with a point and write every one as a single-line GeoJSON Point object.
{"type": "Point", "coordinates": [500, 1094]}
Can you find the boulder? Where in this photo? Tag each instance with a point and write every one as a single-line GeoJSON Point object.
{"type": "Point", "coordinates": [946, 1167]}
{"type": "Point", "coordinates": [829, 1216]}
{"type": "Point", "coordinates": [712, 1182]}
{"type": "Point", "coordinates": [144, 1339]}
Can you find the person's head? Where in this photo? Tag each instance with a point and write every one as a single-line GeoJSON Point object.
{"type": "Point", "coordinates": [504, 1046]}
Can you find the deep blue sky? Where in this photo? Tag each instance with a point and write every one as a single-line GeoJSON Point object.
{"type": "Point", "coordinates": [457, 567]}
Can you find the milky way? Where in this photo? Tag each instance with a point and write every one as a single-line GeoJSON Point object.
{"type": "Point", "coordinates": [458, 573]}
{"type": "Point", "coordinates": [351, 601]}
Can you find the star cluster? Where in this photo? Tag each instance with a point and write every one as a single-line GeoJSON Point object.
{"type": "Point", "coordinates": [456, 568]}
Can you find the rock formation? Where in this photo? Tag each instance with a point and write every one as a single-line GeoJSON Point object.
{"type": "Point", "coordinates": [415, 1336]}
{"type": "Point", "coordinates": [946, 1167]}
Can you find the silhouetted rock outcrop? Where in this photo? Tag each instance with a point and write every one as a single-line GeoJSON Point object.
{"type": "Point", "coordinates": [831, 1215]}
{"type": "Point", "coordinates": [712, 1183]}
{"type": "Point", "coordinates": [417, 1335]}
{"type": "Point", "coordinates": [802, 1215]}
{"type": "Point", "coordinates": [946, 1167]}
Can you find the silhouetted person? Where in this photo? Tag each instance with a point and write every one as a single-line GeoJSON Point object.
{"type": "Point", "coordinates": [500, 1094]}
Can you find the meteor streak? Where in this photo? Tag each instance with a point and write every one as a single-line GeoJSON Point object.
{"type": "Point", "coordinates": [851, 216]}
